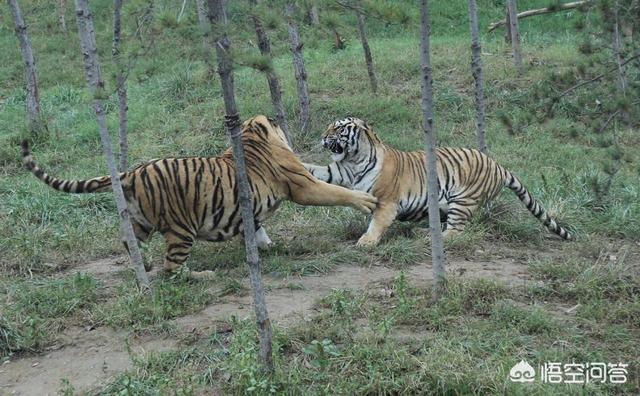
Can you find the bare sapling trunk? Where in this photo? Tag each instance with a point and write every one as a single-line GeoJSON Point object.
{"type": "Point", "coordinates": [203, 22]}
{"type": "Point", "coordinates": [314, 16]}
{"type": "Point", "coordinates": [218, 19]}
{"type": "Point", "coordinates": [515, 34]}
{"type": "Point", "coordinates": [298, 67]}
{"type": "Point", "coordinates": [120, 87]}
{"type": "Point", "coordinates": [437, 252]}
{"type": "Point", "coordinates": [367, 51]}
{"type": "Point", "coordinates": [476, 70]}
{"type": "Point", "coordinates": [62, 7]}
{"type": "Point", "coordinates": [34, 119]}
{"type": "Point", "coordinates": [507, 30]}
{"type": "Point", "coordinates": [622, 78]}
{"type": "Point", "coordinates": [86, 32]}
{"type": "Point", "coordinates": [184, 3]}
{"type": "Point", "coordinates": [272, 77]}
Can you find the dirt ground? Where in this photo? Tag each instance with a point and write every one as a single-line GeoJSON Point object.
{"type": "Point", "coordinates": [89, 357]}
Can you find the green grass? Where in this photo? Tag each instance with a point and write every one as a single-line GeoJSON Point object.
{"type": "Point", "coordinates": [33, 312]}
{"type": "Point", "coordinates": [400, 342]}
{"type": "Point", "coordinates": [170, 297]}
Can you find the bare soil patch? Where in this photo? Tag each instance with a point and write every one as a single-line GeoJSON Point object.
{"type": "Point", "coordinates": [90, 358]}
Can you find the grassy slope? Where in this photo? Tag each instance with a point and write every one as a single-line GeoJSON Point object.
{"type": "Point", "coordinates": [174, 110]}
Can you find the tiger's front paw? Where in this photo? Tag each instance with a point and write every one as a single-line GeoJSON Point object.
{"type": "Point", "coordinates": [367, 240]}
{"type": "Point", "coordinates": [364, 202]}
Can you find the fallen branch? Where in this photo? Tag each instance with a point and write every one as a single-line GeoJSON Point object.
{"type": "Point", "coordinates": [606, 124]}
{"type": "Point", "coordinates": [540, 11]}
{"type": "Point", "coordinates": [569, 90]}
{"type": "Point", "coordinates": [596, 78]}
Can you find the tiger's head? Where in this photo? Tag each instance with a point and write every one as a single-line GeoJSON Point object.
{"type": "Point", "coordinates": [264, 128]}
{"type": "Point", "coordinates": [346, 137]}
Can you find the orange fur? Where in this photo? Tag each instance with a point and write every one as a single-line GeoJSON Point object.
{"type": "Point", "coordinates": [196, 198]}
{"type": "Point", "coordinates": [467, 179]}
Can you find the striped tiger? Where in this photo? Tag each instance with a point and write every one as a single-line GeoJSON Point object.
{"type": "Point", "coordinates": [467, 179]}
{"type": "Point", "coordinates": [197, 198]}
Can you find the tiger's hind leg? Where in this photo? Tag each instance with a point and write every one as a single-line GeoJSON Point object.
{"type": "Point", "coordinates": [142, 235]}
{"type": "Point", "coordinates": [458, 214]}
{"type": "Point", "coordinates": [262, 239]}
{"type": "Point", "coordinates": [178, 248]}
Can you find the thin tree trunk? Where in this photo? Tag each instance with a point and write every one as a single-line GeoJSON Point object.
{"type": "Point", "coordinates": [622, 78]}
{"type": "Point", "coordinates": [120, 87]}
{"type": "Point", "coordinates": [314, 16]}
{"type": "Point", "coordinates": [367, 51]}
{"type": "Point", "coordinates": [298, 67]}
{"type": "Point", "coordinates": [437, 253]}
{"type": "Point", "coordinates": [515, 34]}
{"type": "Point", "coordinates": [507, 30]}
{"type": "Point", "coordinates": [218, 19]}
{"type": "Point", "coordinates": [184, 3]}
{"type": "Point", "coordinates": [272, 77]}
{"type": "Point", "coordinates": [86, 32]}
{"type": "Point", "coordinates": [476, 70]}
{"type": "Point", "coordinates": [338, 41]}
{"type": "Point", "coordinates": [621, 81]}
{"type": "Point", "coordinates": [62, 7]}
{"type": "Point", "coordinates": [34, 120]}
{"type": "Point", "coordinates": [206, 33]}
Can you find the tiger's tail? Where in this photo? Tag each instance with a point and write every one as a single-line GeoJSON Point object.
{"type": "Point", "coordinates": [534, 207]}
{"type": "Point", "coordinates": [95, 185]}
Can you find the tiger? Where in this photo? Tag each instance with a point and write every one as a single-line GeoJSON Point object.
{"type": "Point", "coordinates": [196, 198]}
{"type": "Point", "coordinates": [467, 179]}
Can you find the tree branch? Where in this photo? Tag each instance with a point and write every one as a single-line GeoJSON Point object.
{"type": "Point", "coordinates": [540, 11]}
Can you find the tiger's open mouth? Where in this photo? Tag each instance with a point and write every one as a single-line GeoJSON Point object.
{"type": "Point", "coordinates": [334, 146]}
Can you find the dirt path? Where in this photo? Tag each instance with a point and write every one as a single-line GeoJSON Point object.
{"type": "Point", "coordinates": [90, 358]}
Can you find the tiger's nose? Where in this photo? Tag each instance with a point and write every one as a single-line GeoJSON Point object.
{"type": "Point", "coordinates": [324, 143]}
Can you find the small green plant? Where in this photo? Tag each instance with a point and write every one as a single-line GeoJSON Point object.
{"type": "Point", "coordinates": [66, 388]}
{"type": "Point", "coordinates": [321, 352]}
{"type": "Point", "coordinates": [339, 302]}
{"type": "Point", "coordinates": [402, 291]}
{"type": "Point", "coordinates": [242, 361]}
